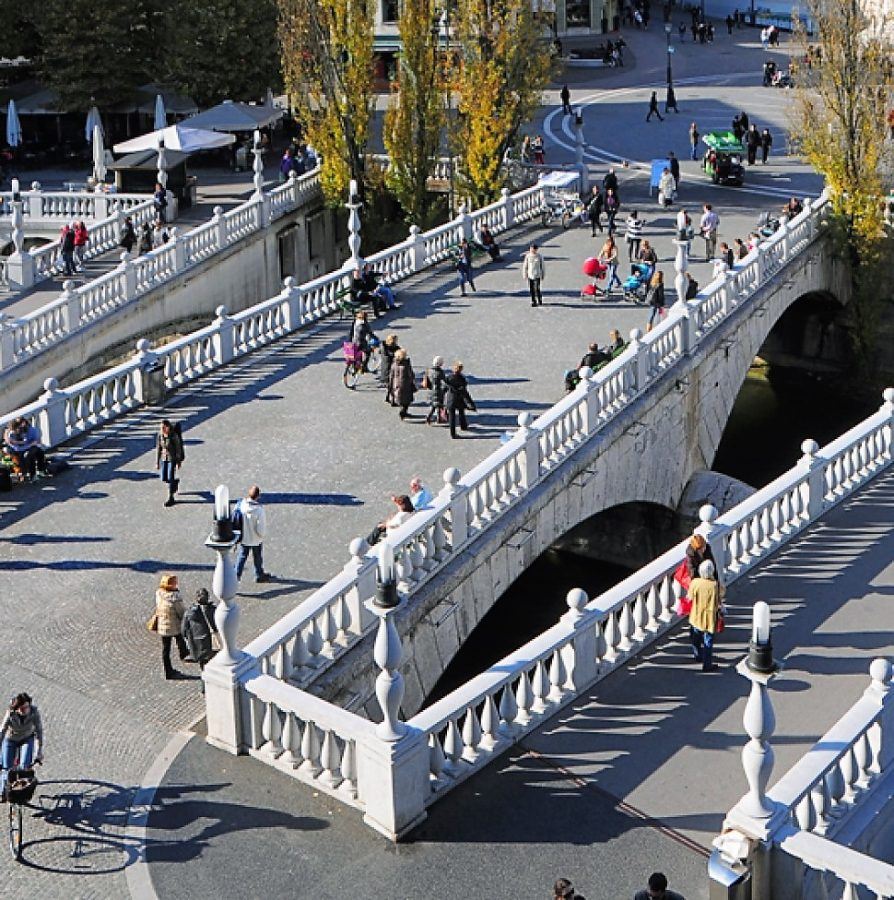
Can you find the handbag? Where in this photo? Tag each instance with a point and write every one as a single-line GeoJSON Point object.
{"type": "Point", "coordinates": [683, 606]}
{"type": "Point", "coordinates": [682, 576]}
{"type": "Point", "coordinates": [443, 415]}
{"type": "Point", "coordinates": [152, 622]}
{"type": "Point", "coordinates": [721, 619]}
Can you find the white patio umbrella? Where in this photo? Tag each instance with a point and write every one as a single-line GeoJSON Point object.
{"type": "Point", "coordinates": [13, 125]}
{"type": "Point", "coordinates": [161, 114]}
{"type": "Point", "coordinates": [93, 122]}
{"type": "Point", "coordinates": [176, 137]}
{"type": "Point", "coordinates": [99, 155]}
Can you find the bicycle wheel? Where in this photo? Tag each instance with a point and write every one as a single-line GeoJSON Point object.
{"type": "Point", "coordinates": [349, 377]}
{"type": "Point", "coordinates": [15, 830]}
{"type": "Point", "coordinates": [375, 360]}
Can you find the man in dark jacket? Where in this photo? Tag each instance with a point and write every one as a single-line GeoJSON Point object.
{"type": "Point", "coordinates": [753, 143]}
{"type": "Point", "coordinates": [160, 201]}
{"type": "Point", "coordinates": [766, 144]}
{"type": "Point", "coordinates": [457, 398]}
{"type": "Point", "coordinates": [674, 165]}
{"type": "Point", "coordinates": [198, 627]}
{"type": "Point", "coordinates": [67, 247]}
{"type": "Point", "coordinates": [437, 387]}
{"type": "Point", "coordinates": [657, 889]}
{"type": "Point", "coordinates": [128, 235]}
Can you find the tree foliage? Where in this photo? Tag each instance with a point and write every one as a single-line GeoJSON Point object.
{"type": "Point", "coordinates": [839, 125]}
{"type": "Point", "coordinates": [20, 33]}
{"type": "Point", "coordinates": [412, 132]}
{"type": "Point", "coordinates": [502, 70]}
{"type": "Point", "coordinates": [222, 50]}
{"type": "Point", "coordinates": [327, 48]}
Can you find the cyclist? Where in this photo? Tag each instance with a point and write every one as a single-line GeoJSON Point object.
{"type": "Point", "coordinates": [20, 729]}
{"type": "Point", "coordinates": [361, 335]}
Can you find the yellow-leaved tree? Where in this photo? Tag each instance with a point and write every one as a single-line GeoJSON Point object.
{"type": "Point", "coordinates": [412, 132]}
{"type": "Point", "coordinates": [327, 48]}
{"type": "Point", "coordinates": [502, 68]}
{"type": "Point", "coordinates": [841, 101]}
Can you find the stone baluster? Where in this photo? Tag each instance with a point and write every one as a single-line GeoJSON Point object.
{"type": "Point", "coordinates": [816, 478]}
{"type": "Point", "coordinates": [7, 342]}
{"type": "Point", "coordinates": [363, 568]}
{"type": "Point", "coordinates": [508, 211]}
{"type": "Point", "coordinates": [349, 770]}
{"type": "Point", "coordinates": [531, 464]}
{"type": "Point", "coordinates": [641, 360]}
{"type": "Point", "coordinates": [223, 338]}
{"type": "Point", "coordinates": [71, 306]}
{"type": "Point", "coordinates": [490, 724]}
{"type": "Point", "coordinates": [271, 731]}
{"type": "Point", "coordinates": [220, 224]}
{"type": "Point", "coordinates": [51, 419]}
{"type": "Point", "coordinates": [524, 699]}
{"type": "Point", "coordinates": [291, 741]}
{"type": "Point", "coordinates": [580, 655]}
{"type": "Point", "coordinates": [416, 245]}
{"type": "Point", "coordinates": [330, 759]}
{"type": "Point", "coordinates": [310, 750]}
{"type": "Point", "coordinates": [129, 271]}
{"type": "Point", "coordinates": [437, 760]}
{"type": "Point", "coordinates": [457, 496]}
{"type": "Point", "coordinates": [471, 734]}
{"type": "Point", "coordinates": [508, 712]}
{"type": "Point", "coordinates": [294, 307]}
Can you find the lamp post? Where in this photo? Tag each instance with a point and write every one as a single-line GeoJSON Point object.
{"type": "Point", "coordinates": [668, 28]}
{"type": "Point", "coordinates": [443, 25]}
{"type": "Point", "coordinates": [387, 651]}
{"type": "Point", "coordinates": [224, 582]}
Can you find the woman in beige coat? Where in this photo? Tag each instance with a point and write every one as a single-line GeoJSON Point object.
{"type": "Point", "coordinates": [706, 595]}
{"type": "Point", "coordinates": [169, 609]}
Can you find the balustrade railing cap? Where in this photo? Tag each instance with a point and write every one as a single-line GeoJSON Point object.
{"type": "Point", "coordinates": [888, 396]}
{"type": "Point", "coordinates": [880, 673]}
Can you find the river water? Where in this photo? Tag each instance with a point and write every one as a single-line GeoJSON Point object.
{"type": "Point", "coordinates": [771, 417]}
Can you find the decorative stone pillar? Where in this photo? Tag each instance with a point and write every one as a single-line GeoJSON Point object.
{"type": "Point", "coordinates": [715, 535]}
{"type": "Point", "coordinates": [221, 223]}
{"type": "Point", "coordinates": [508, 212]}
{"type": "Point", "coordinates": [681, 265]}
{"type": "Point", "coordinates": [531, 469]}
{"type": "Point", "coordinates": [20, 269]}
{"type": "Point", "coordinates": [162, 174]}
{"type": "Point", "coordinates": [581, 664]}
{"type": "Point", "coordinates": [52, 414]}
{"type": "Point", "coordinates": [225, 704]}
{"type": "Point", "coordinates": [416, 243]}
{"type": "Point", "coordinates": [456, 495]}
{"type": "Point", "coordinates": [71, 304]}
{"type": "Point", "coordinates": [258, 164]}
{"type": "Point", "coordinates": [362, 566]}
{"type": "Point", "coordinates": [464, 222]}
{"type": "Point", "coordinates": [223, 339]}
{"type": "Point", "coordinates": [355, 261]}
{"type": "Point", "coordinates": [7, 342]}
{"type": "Point", "coordinates": [641, 356]}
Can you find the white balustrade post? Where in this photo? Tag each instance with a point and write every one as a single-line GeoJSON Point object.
{"type": "Point", "coordinates": [179, 243]}
{"type": "Point", "coordinates": [761, 263]}
{"type": "Point", "coordinates": [681, 265]}
{"type": "Point", "coordinates": [223, 338]}
{"type": "Point", "coordinates": [221, 223]}
{"type": "Point", "coordinates": [508, 209]}
{"type": "Point", "coordinates": [888, 407]}
{"type": "Point", "coordinates": [20, 268]}
{"type": "Point", "coordinates": [363, 568]}
{"type": "Point", "coordinates": [393, 768]}
{"type": "Point", "coordinates": [715, 535]}
{"type": "Point", "coordinates": [457, 495]}
{"type": "Point", "coordinates": [786, 227]}
{"type": "Point", "coordinates": [592, 408]}
{"type": "Point", "coordinates": [531, 464]}
{"type": "Point", "coordinates": [464, 222]}
{"type": "Point", "coordinates": [759, 721]}
{"type": "Point", "coordinates": [145, 359]}
{"type": "Point", "coordinates": [641, 359]}
{"type": "Point", "coordinates": [52, 414]}
{"type": "Point", "coordinates": [33, 201]}
{"type": "Point", "coordinates": [7, 342]}
{"type": "Point", "coordinates": [728, 296]}
{"type": "Point", "coordinates": [294, 308]}
{"type": "Point", "coordinates": [355, 261]}
{"type": "Point", "coordinates": [71, 304]}
{"type": "Point", "coordinates": [129, 270]}
{"type": "Point", "coordinates": [582, 667]}
{"type": "Point", "coordinates": [816, 481]}
{"type": "Point", "coordinates": [416, 243]}
{"type": "Point", "coordinates": [881, 694]}
{"type": "Point", "coordinates": [100, 207]}
{"type": "Point", "coordinates": [226, 704]}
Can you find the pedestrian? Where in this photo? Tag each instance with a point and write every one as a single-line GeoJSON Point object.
{"type": "Point", "coordinates": [611, 204]}
{"type": "Point", "coordinates": [402, 381]}
{"type": "Point", "coordinates": [361, 335]}
{"type": "Point", "coordinates": [653, 107]}
{"type": "Point", "coordinates": [648, 257]}
{"type": "Point", "coordinates": [608, 255]}
{"type": "Point", "coordinates": [691, 291]}
{"type": "Point", "coordinates": [436, 387]}
{"type": "Point", "coordinates": [198, 629]}
{"type": "Point", "coordinates": [693, 140]}
{"type": "Point", "coordinates": [633, 232]}
{"type": "Point", "coordinates": [674, 166]}
{"type": "Point", "coordinates": [81, 238]}
{"type": "Point", "coordinates": [741, 249]}
{"type": "Point", "coordinates": [160, 201]}
{"type": "Point", "coordinates": [250, 518]}
{"type": "Point", "coordinates": [710, 32]}
{"type": "Point", "coordinates": [670, 102]}
{"type": "Point", "coordinates": [363, 291]}
{"type": "Point", "coordinates": [160, 235]}
{"type": "Point", "coordinates": [684, 228]}
{"type": "Point", "coordinates": [726, 254]}
{"type": "Point", "coordinates": [657, 889]}
{"type": "Point", "coordinates": [169, 610]}
{"type": "Point", "coordinates": [743, 118]}
{"type": "Point", "coordinates": [682, 30]}
{"type": "Point", "coordinates": [705, 594]}
{"type": "Point", "coordinates": [145, 238]}
{"type": "Point", "coordinates": [538, 150]}
{"type": "Point", "coordinates": [666, 188]}
{"type": "Point", "coordinates": [420, 495]}
{"type": "Point", "coordinates": [169, 456]}
{"type": "Point", "coordinates": [738, 129]}
{"type": "Point", "coordinates": [562, 890]}
{"type": "Point", "coordinates": [463, 264]}
{"type": "Point", "coordinates": [708, 227]}
{"type": "Point", "coordinates": [20, 729]}
{"type": "Point", "coordinates": [394, 521]}
{"type": "Point", "coordinates": [565, 96]}
{"type": "Point", "coordinates": [489, 243]}
{"type": "Point", "coordinates": [458, 399]}
{"type": "Point", "coordinates": [610, 182]}
{"type": "Point", "coordinates": [128, 235]}
{"type": "Point", "coordinates": [285, 165]}
{"type": "Point", "coordinates": [534, 270]}
{"type": "Point", "coordinates": [766, 145]}
{"type": "Point", "coordinates": [697, 551]}
{"type": "Point", "coordinates": [656, 299]}
{"type": "Point", "coordinates": [752, 143]}
{"type": "Point", "coordinates": [594, 211]}
{"type": "Point", "coordinates": [67, 248]}
{"type": "Point", "coordinates": [729, 24]}
{"type": "Point", "coordinates": [390, 348]}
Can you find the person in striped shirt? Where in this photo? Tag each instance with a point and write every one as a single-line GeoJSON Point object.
{"type": "Point", "coordinates": [634, 234]}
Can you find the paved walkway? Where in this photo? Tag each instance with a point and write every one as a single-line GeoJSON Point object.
{"type": "Point", "coordinates": [81, 555]}
{"type": "Point", "coordinates": [635, 777]}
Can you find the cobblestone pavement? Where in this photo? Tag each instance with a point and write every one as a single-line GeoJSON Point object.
{"type": "Point", "coordinates": [81, 554]}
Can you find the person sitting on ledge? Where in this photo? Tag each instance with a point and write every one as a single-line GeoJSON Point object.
{"type": "Point", "coordinates": [22, 441]}
{"type": "Point", "coordinates": [487, 243]}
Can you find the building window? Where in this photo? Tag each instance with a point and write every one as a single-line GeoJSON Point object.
{"type": "Point", "coordinates": [577, 14]}
{"type": "Point", "coordinates": [390, 10]}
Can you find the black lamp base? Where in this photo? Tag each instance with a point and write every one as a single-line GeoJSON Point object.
{"type": "Point", "coordinates": [222, 531]}
{"type": "Point", "coordinates": [386, 595]}
{"type": "Point", "coordinates": [760, 658]}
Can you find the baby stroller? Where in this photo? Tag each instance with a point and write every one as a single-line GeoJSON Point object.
{"type": "Point", "coordinates": [594, 270]}
{"type": "Point", "coordinates": [768, 224]}
{"type": "Point", "coordinates": [636, 285]}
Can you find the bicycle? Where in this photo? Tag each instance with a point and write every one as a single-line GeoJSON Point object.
{"type": "Point", "coordinates": [20, 787]}
{"type": "Point", "coordinates": [355, 365]}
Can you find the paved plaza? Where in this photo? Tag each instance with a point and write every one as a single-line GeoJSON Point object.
{"type": "Point", "coordinates": [82, 554]}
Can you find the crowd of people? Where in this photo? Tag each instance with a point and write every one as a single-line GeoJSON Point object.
{"type": "Point", "coordinates": [656, 889]}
